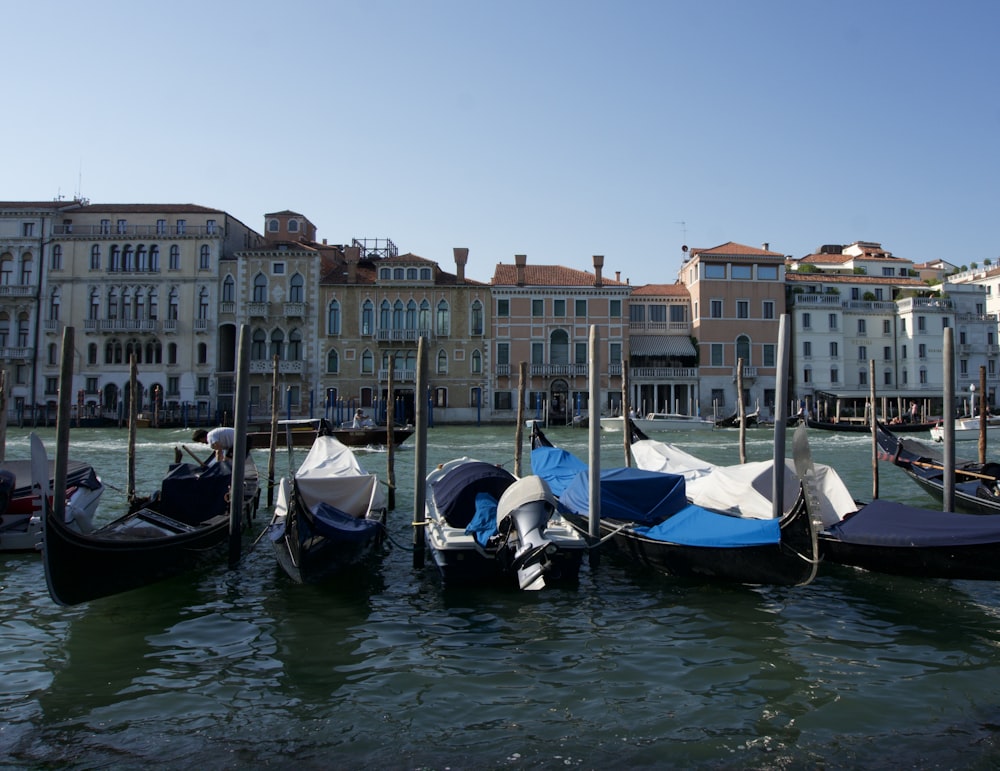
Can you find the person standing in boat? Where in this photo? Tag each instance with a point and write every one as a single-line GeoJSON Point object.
{"type": "Point", "coordinates": [220, 439]}
{"type": "Point", "coordinates": [361, 420]}
{"type": "Point", "coordinates": [913, 412]}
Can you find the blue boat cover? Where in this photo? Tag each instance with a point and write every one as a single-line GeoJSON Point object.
{"type": "Point", "coordinates": [484, 522]}
{"type": "Point", "coordinates": [331, 522]}
{"type": "Point", "coordinates": [556, 466]}
{"type": "Point", "coordinates": [193, 494]}
{"type": "Point", "coordinates": [455, 492]}
{"type": "Point", "coordinates": [887, 523]}
{"type": "Point", "coordinates": [695, 526]}
{"type": "Point", "coordinates": [646, 497]}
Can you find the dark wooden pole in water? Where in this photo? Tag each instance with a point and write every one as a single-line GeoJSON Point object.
{"type": "Point", "coordinates": [948, 421]}
{"type": "Point", "coordinates": [240, 418]}
{"type": "Point", "coordinates": [780, 420]}
{"type": "Point", "coordinates": [62, 424]}
{"type": "Point", "coordinates": [133, 420]}
{"type": "Point", "coordinates": [626, 415]}
{"type": "Point", "coordinates": [420, 456]}
{"type": "Point", "coordinates": [519, 428]}
{"type": "Point", "coordinates": [871, 386]}
{"type": "Point", "coordinates": [272, 445]}
{"type": "Point", "coordinates": [741, 410]}
{"type": "Point", "coordinates": [3, 415]}
{"type": "Point", "coordinates": [390, 442]}
{"type": "Point", "coordinates": [982, 414]}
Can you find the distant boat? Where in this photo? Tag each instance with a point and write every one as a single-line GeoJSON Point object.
{"type": "Point", "coordinates": [966, 429]}
{"type": "Point", "coordinates": [302, 432]}
{"type": "Point", "coordinates": [865, 428]}
{"type": "Point", "coordinates": [661, 421]}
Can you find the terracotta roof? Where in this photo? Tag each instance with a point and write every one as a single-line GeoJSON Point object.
{"type": "Point", "coordinates": [733, 248]}
{"type": "Point", "coordinates": [505, 274]}
{"type": "Point", "coordinates": [829, 259]}
{"type": "Point", "coordinates": [661, 290]}
{"type": "Point", "coordinates": [143, 208]}
{"type": "Point", "coordinates": [409, 258]}
{"type": "Point", "coordinates": [285, 213]}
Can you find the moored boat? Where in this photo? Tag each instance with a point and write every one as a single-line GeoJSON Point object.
{"type": "Point", "coordinates": [660, 421]}
{"type": "Point", "coordinates": [329, 515]}
{"type": "Point", "coordinates": [966, 429]}
{"type": "Point", "coordinates": [858, 427]}
{"type": "Point", "coordinates": [301, 432]}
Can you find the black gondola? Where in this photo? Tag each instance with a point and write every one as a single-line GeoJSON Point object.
{"type": "Point", "coordinates": [976, 489]}
{"type": "Point", "coordinates": [650, 522]}
{"type": "Point", "coordinates": [183, 526]}
{"type": "Point", "coordinates": [865, 428]}
{"type": "Point", "coordinates": [302, 432]}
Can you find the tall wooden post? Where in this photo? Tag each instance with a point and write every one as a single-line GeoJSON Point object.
{"type": "Point", "coordinates": [241, 414]}
{"type": "Point", "coordinates": [874, 429]}
{"type": "Point", "coordinates": [626, 415]}
{"type": "Point", "coordinates": [420, 457]}
{"type": "Point", "coordinates": [982, 414]}
{"type": "Point", "coordinates": [272, 445]}
{"type": "Point", "coordinates": [594, 427]}
{"type": "Point", "coordinates": [133, 420]}
{"type": "Point", "coordinates": [948, 421]}
{"type": "Point", "coordinates": [390, 443]}
{"type": "Point", "coordinates": [780, 420]}
{"type": "Point", "coordinates": [62, 424]}
{"type": "Point", "coordinates": [519, 428]}
{"type": "Point", "coordinates": [741, 411]}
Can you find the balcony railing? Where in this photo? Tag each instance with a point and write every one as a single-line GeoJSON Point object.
{"type": "Point", "coordinates": [558, 370]}
{"type": "Point", "coordinates": [17, 290]}
{"type": "Point", "coordinates": [52, 326]}
{"type": "Point", "coordinates": [295, 310]}
{"type": "Point", "coordinates": [122, 325]}
{"type": "Point", "coordinates": [227, 306]}
{"type": "Point", "coordinates": [201, 325]}
{"type": "Point", "coordinates": [398, 375]}
{"type": "Point", "coordinates": [663, 373]}
{"type": "Point", "coordinates": [145, 231]}
{"type": "Point", "coordinates": [402, 335]}
{"type": "Point", "coordinates": [259, 309]}
{"type": "Point", "coordinates": [16, 353]}
{"type": "Point", "coordinates": [266, 366]}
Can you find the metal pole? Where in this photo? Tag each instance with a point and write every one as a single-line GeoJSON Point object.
{"type": "Point", "coordinates": [780, 419]}
{"type": "Point", "coordinates": [626, 417]}
{"type": "Point", "coordinates": [390, 444]}
{"type": "Point", "coordinates": [948, 421]}
{"type": "Point", "coordinates": [239, 446]}
{"type": "Point", "coordinates": [871, 386]}
{"type": "Point", "coordinates": [522, 387]}
{"type": "Point", "coordinates": [133, 418]}
{"type": "Point", "coordinates": [595, 434]}
{"type": "Point", "coordinates": [982, 414]}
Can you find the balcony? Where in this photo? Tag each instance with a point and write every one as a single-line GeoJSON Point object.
{"type": "Point", "coordinates": [17, 290]}
{"type": "Point", "coordinates": [113, 231]}
{"type": "Point", "coordinates": [109, 326]}
{"type": "Point", "coordinates": [259, 310]}
{"type": "Point", "coordinates": [558, 370]}
{"type": "Point", "coordinates": [398, 375]}
{"type": "Point", "coordinates": [16, 353]}
{"type": "Point", "coordinates": [295, 310]}
{"type": "Point", "coordinates": [228, 307]}
{"type": "Point", "coordinates": [170, 325]}
{"type": "Point", "coordinates": [201, 326]}
{"type": "Point", "coordinates": [266, 367]}
{"type": "Point", "coordinates": [52, 326]}
{"type": "Point", "coordinates": [662, 373]}
{"type": "Point", "coordinates": [402, 335]}
{"type": "Point", "coordinates": [816, 299]}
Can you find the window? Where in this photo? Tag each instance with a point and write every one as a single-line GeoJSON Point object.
{"type": "Point", "coordinates": [202, 353]}
{"type": "Point", "coordinates": [743, 349]}
{"type": "Point", "coordinates": [56, 262]}
{"type": "Point", "coordinates": [201, 389]}
{"type": "Point", "coordinates": [54, 305]}
{"type": "Point", "coordinates": [173, 305]}
{"type": "Point", "coordinates": [204, 254]}
{"type": "Point", "coordinates": [615, 352]}
{"type": "Point", "coordinates": [477, 318]}
{"type": "Point", "coordinates": [277, 269]}
{"type": "Point", "coordinates": [678, 314]}
{"type": "Point", "coordinates": [537, 308]}
{"type": "Point", "coordinates": [538, 353]}
{"type": "Point", "coordinates": [921, 323]}
{"type": "Point", "coordinates": [741, 272]}
{"type": "Point", "coordinates": [614, 308]}
{"type": "Point", "coordinates": [443, 319]}
{"type": "Point", "coordinates": [862, 327]}
{"type": "Point", "coordinates": [503, 308]}
{"type": "Point", "coordinates": [174, 260]}
{"type": "Point", "coordinates": [767, 310]}
{"type": "Point", "coordinates": [559, 347]}
{"type": "Point", "coordinates": [172, 353]}
{"type": "Point", "coordinates": [272, 226]}
{"type": "Point", "coordinates": [944, 322]}
{"type": "Point", "coordinates": [769, 354]}
{"type": "Point", "coordinates": [862, 377]}
{"type": "Point", "coordinates": [477, 363]}
{"type": "Point", "coordinates": [855, 293]}
{"type": "Point", "coordinates": [742, 309]}
{"type": "Point", "coordinates": [717, 355]}
{"type": "Point", "coordinates": [398, 274]}
{"type": "Point", "coordinates": [903, 352]}
{"type": "Point", "coordinates": [92, 356]}
{"type": "Point", "coordinates": [127, 262]}
{"type": "Point", "coordinates": [293, 226]}
{"type": "Point", "coordinates": [715, 271]}
{"type": "Point", "coordinates": [442, 363]}
{"type": "Point", "coordinates": [105, 227]}
{"type": "Point", "coordinates": [121, 227]}
{"type": "Point", "coordinates": [53, 350]}
{"type": "Point", "coordinates": [580, 309]}
{"type": "Point", "coordinates": [294, 352]}
{"type": "Point", "coordinates": [886, 327]}
{"type": "Point", "coordinates": [173, 385]}
{"type": "Point", "coordinates": [181, 227]}
{"type": "Point", "coordinates": [559, 308]}
{"type": "Point", "coordinates": [333, 318]}
{"type": "Point", "coordinates": [887, 271]}
{"type": "Point", "coordinates": [887, 377]}
{"type": "Point", "coordinates": [367, 362]}
{"type": "Point", "coordinates": [277, 344]}
{"type": "Point", "coordinates": [807, 375]}
{"type": "Point", "coordinates": [229, 290]}
{"type": "Point", "coordinates": [502, 400]}
{"type": "Point", "coordinates": [963, 367]}
{"type": "Point", "coordinates": [203, 303]}
{"type": "Point", "coordinates": [296, 289]}
{"type": "Point", "coordinates": [161, 227]}
{"type": "Point", "coordinates": [807, 321]}
{"type": "Point", "coordinates": [923, 376]}
{"type": "Point", "coordinates": [580, 353]}
{"type": "Point", "coordinates": [210, 227]}
{"type": "Point", "coordinates": [425, 274]}
{"type": "Point", "coordinates": [834, 349]}
{"type": "Point", "coordinates": [258, 345]}
{"type": "Point", "coordinates": [367, 318]}
{"type": "Point", "coordinates": [767, 272]}
{"type": "Point", "coordinates": [922, 351]}
{"type": "Point", "coordinates": [832, 321]}
{"type": "Point", "coordinates": [92, 381]}
{"type": "Point", "coordinates": [862, 353]}
{"type": "Point", "coordinates": [260, 288]}
{"type": "Point", "coordinates": [636, 313]}
{"type": "Point", "coordinates": [503, 354]}
{"type": "Point", "coordinates": [887, 353]}
{"type": "Point", "coordinates": [807, 349]}
{"type": "Point", "coordinates": [716, 309]}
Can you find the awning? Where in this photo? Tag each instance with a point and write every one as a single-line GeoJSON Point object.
{"type": "Point", "coordinates": [660, 345]}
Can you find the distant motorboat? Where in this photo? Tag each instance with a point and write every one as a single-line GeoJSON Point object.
{"type": "Point", "coordinates": [966, 429]}
{"type": "Point", "coordinates": [661, 421]}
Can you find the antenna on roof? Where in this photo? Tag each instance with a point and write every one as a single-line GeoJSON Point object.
{"type": "Point", "coordinates": [684, 230]}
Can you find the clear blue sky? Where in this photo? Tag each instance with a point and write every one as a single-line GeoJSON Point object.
{"type": "Point", "coordinates": [558, 129]}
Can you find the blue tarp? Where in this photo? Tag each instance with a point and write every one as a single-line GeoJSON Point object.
{"type": "Point", "coordinates": [887, 523]}
{"type": "Point", "coordinates": [695, 526]}
{"type": "Point", "coordinates": [556, 466]}
{"type": "Point", "coordinates": [455, 492]}
{"type": "Point", "coordinates": [645, 497]}
{"type": "Point", "coordinates": [484, 522]}
{"type": "Point", "coordinates": [331, 522]}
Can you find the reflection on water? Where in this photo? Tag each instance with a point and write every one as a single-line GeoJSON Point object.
{"type": "Point", "coordinates": [383, 667]}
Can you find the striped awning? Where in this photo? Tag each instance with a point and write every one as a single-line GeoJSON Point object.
{"type": "Point", "coordinates": [660, 345]}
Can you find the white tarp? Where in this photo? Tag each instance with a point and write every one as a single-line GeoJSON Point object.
{"type": "Point", "coordinates": [330, 473]}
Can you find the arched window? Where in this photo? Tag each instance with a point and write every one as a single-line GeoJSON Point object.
{"type": "Point", "coordinates": [443, 320]}
{"type": "Point", "coordinates": [109, 352]}
{"type": "Point", "coordinates": [367, 362]}
{"type": "Point", "coordinates": [229, 289]}
{"type": "Point", "coordinates": [411, 315]}
{"type": "Point", "coordinates": [57, 257]}
{"type": "Point", "coordinates": [277, 344]}
{"type": "Point", "coordinates": [154, 259]}
{"type": "Point", "coordinates": [559, 347]}
{"type": "Point", "coordinates": [332, 362]}
{"type": "Point", "coordinates": [26, 266]}
{"type": "Point", "coordinates": [296, 289]}
{"type": "Point", "coordinates": [294, 345]}
{"type": "Point", "coordinates": [114, 258]}
{"type": "Point", "coordinates": [6, 269]}
{"type": "Point", "coordinates": [113, 304]}
{"type": "Point", "coordinates": [397, 315]}
{"type": "Point", "coordinates": [743, 349]}
{"type": "Point", "coordinates": [476, 318]}
{"type": "Point", "coordinates": [175, 257]}
{"type": "Point", "coordinates": [272, 226]}
{"type": "Point", "coordinates": [367, 318]}
{"type": "Point", "coordinates": [385, 273]}
{"type": "Point", "coordinates": [385, 315]}
{"type": "Point", "coordinates": [54, 304]}
{"type": "Point", "coordinates": [442, 363]}
{"type": "Point", "coordinates": [425, 274]}
{"type": "Point", "coordinates": [258, 345]}
{"type": "Point", "coordinates": [398, 274]}
{"type": "Point", "coordinates": [4, 329]}
{"type": "Point", "coordinates": [140, 258]}
{"type": "Point", "coordinates": [127, 305]}
{"type": "Point", "coordinates": [293, 226]}
{"type": "Point", "coordinates": [260, 288]}
{"type": "Point", "coordinates": [333, 318]}
{"type": "Point", "coordinates": [95, 257]}
{"type": "Point", "coordinates": [140, 306]}
{"type": "Point", "coordinates": [477, 363]}
{"type": "Point", "coordinates": [203, 303]}
{"type": "Point", "coordinates": [173, 309]}
{"type": "Point", "coordinates": [204, 257]}
{"type": "Point", "coordinates": [424, 317]}
{"type": "Point", "coordinates": [133, 347]}
{"type": "Point", "coordinates": [411, 274]}
{"type": "Point", "coordinates": [95, 305]}
{"type": "Point", "coordinates": [154, 308]}
{"type": "Point", "coordinates": [127, 264]}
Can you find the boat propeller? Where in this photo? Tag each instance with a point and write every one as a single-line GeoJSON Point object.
{"type": "Point", "coordinates": [528, 504]}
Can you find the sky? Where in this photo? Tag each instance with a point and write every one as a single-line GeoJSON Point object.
{"type": "Point", "coordinates": [559, 129]}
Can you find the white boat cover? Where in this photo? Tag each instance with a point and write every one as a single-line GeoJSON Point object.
{"type": "Point", "coordinates": [330, 473]}
{"type": "Point", "coordinates": [743, 489]}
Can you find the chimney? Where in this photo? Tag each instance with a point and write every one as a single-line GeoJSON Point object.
{"type": "Point", "coordinates": [461, 258]}
{"type": "Point", "coordinates": [598, 264]}
{"type": "Point", "coordinates": [618, 276]}
{"type": "Point", "coordinates": [352, 254]}
{"type": "Point", "coordinates": [520, 260]}
{"type": "Point", "coordinates": [765, 246]}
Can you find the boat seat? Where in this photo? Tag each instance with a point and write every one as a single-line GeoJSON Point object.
{"type": "Point", "coordinates": [155, 518]}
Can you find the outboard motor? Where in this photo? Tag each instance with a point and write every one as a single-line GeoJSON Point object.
{"type": "Point", "coordinates": [528, 504]}
{"type": "Point", "coordinates": [7, 480]}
